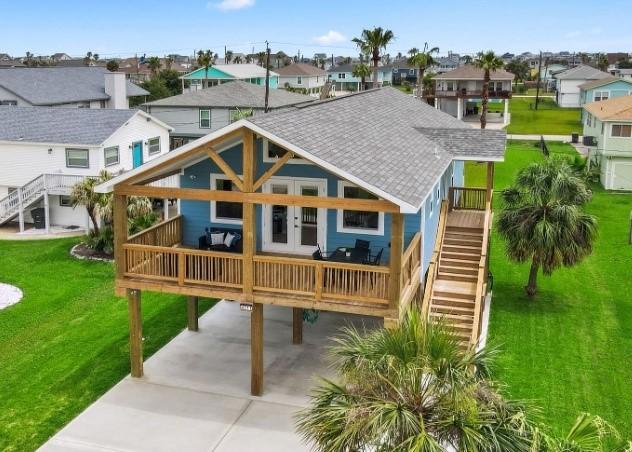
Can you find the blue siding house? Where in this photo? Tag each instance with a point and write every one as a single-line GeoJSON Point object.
{"type": "Point", "coordinates": [332, 205]}
{"type": "Point", "coordinates": [603, 89]}
{"type": "Point", "coordinates": [222, 73]}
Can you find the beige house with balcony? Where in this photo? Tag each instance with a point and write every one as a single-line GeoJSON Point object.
{"type": "Point", "coordinates": [460, 91]}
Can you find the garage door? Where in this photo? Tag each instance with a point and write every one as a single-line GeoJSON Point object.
{"type": "Point", "coordinates": [622, 175]}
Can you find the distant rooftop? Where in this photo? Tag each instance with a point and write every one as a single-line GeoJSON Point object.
{"type": "Point", "coordinates": [60, 85]}
{"type": "Point", "coordinates": [471, 72]}
{"type": "Point", "coordinates": [233, 94]}
{"type": "Point", "coordinates": [237, 71]}
{"type": "Point", "coordinates": [581, 72]}
{"type": "Point", "coordinates": [300, 69]}
{"type": "Point", "coordinates": [604, 81]}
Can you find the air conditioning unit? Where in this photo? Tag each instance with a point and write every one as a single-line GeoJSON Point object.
{"type": "Point", "coordinates": [590, 141]}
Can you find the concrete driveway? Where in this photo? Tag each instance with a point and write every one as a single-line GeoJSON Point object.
{"type": "Point", "coordinates": [195, 395]}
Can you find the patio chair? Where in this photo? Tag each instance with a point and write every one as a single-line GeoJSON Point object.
{"type": "Point", "coordinates": [318, 255]}
{"type": "Point", "coordinates": [362, 244]}
{"type": "Point", "coordinates": [375, 260]}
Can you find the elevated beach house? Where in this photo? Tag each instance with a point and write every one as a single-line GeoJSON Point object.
{"type": "Point", "coordinates": [354, 204]}
{"type": "Point", "coordinates": [44, 151]}
{"type": "Point", "coordinates": [222, 73]}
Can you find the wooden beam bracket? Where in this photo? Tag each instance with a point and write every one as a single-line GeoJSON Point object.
{"type": "Point", "coordinates": [273, 170]}
{"type": "Point", "coordinates": [226, 169]}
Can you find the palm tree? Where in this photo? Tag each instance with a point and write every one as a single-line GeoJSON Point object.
{"type": "Point", "coordinates": [543, 221]}
{"type": "Point", "coordinates": [412, 388]}
{"type": "Point", "coordinates": [83, 194]}
{"type": "Point", "coordinates": [589, 433]}
{"type": "Point", "coordinates": [520, 69]}
{"type": "Point", "coordinates": [413, 51]}
{"type": "Point", "coordinates": [372, 42]}
{"type": "Point", "coordinates": [112, 66]}
{"type": "Point", "coordinates": [467, 59]}
{"type": "Point", "coordinates": [229, 56]}
{"type": "Point", "coordinates": [237, 60]}
{"type": "Point", "coordinates": [261, 58]}
{"type": "Point", "coordinates": [205, 60]}
{"type": "Point", "coordinates": [602, 62]}
{"type": "Point", "coordinates": [488, 62]}
{"type": "Point", "coordinates": [168, 62]}
{"type": "Point", "coordinates": [153, 63]}
{"type": "Point", "coordinates": [361, 71]}
{"type": "Point", "coordinates": [422, 60]}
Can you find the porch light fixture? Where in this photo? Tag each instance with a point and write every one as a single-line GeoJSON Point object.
{"type": "Point", "coordinates": [245, 307]}
{"type": "Point", "coordinates": [192, 176]}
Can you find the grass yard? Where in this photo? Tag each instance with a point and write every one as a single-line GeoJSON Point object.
{"type": "Point", "coordinates": [570, 349]}
{"type": "Point", "coordinates": [66, 342]}
{"type": "Point", "coordinates": [549, 119]}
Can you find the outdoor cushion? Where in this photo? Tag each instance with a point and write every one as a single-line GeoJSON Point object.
{"type": "Point", "coordinates": [228, 241]}
{"type": "Point", "coordinates": [217, 238]}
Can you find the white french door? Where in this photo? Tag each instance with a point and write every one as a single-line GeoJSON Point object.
{"type": "Point", "coordinates": [294, 229]}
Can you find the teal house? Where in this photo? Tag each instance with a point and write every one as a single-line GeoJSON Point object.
{"type": "Point", "coordinates": [222, 73]}
{"type": "Point", "coordinates": [603, 89]}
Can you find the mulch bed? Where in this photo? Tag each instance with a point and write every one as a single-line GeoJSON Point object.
{"type": "Point", "coordinates": [80, 251]}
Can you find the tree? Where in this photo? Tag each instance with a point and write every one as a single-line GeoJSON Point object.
{"type": "Point", "coordinates": [542, 220]}
{"type": "Point", "coordinates": [83, 194]}
{"type": "Point", "coordinates": [229, 56]}
{"type": "Point", "coordinates": [261, 58]}
{"type": "Point", "coordinates": [237, 60]}
{"type": "Point", "coordinates": [90, 59]}
{"type": "Point", "coordinates": [157, 88]}
{"type": "Point", "coordinates": [625, 64]}
{"type": "Point", "coordinates": [412, 388]}
{"type": "Point", "coordinates": [112, 66]}
{"type": "Point", "coordinates": [168, 62]}
{"type": "Point", "coordinates": [602, 62]}
{"type": "Point", "coordinates": [488, 62]}
{"type": "Point", "coordinates": [422, 60]}
{"type": "Point", "coordinates": [372, 42]}
{"type": "Point", "coordinates": [520, 69]}
{"type": "Point", "coordinates": [583, 57]}
{"type": "Point", "coordinates": [205, 60]}
{"type": "Point", "coordinates": [153, 63]}
{"type": "Point", "coordinates": [361, 71]}
{"type": "Point", "coordinates": [467, 59]}
{"type": "Point", "coordinates": [171, 79]}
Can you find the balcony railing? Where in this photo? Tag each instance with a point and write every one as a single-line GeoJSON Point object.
{"type": "Point", "coordinates": [154, 256]}
{"type": "Point", "coordinates": [467, 198]}
{"type": "Point", "coordinates": [472, 93]}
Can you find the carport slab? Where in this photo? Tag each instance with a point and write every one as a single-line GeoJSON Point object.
{"type": "Point", "coordinates": [195, 394]}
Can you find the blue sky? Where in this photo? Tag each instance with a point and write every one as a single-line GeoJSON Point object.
{"type": "Point", "coordinates": [122, 28]}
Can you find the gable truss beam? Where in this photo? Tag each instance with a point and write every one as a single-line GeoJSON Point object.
{"type": "Point", "coordinates": [273, 170]}
{"type": "Point", "coordinates": [226, 169]}
{"type": "Point", "coordinates": [197, 194]}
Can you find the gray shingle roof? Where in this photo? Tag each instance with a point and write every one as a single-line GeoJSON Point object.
{"type": "Point", "coordinates": [581, 72]}
{"type": "Point", "coordinates": [233, 94]}
{"type": "Point", "coordinates": [471, 72]}
{"type": "Point", "coordinates": [391, 141]}
{"type": "Point", "coordinates": [601, 82]}
{"type": "Point", "coordinates": [60, 125]}
{"type": "Point", "coordinates": [60, 85]}
{"type": "Point", "coordinates": [300, 69]}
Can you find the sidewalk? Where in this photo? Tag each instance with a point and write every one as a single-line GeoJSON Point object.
{"type": "Point", "coordinates": [534, 137]}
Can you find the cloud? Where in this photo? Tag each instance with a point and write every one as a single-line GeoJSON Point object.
{"type": "Point", "coordinates": [231, 5]}
{"type": "Point", "coordinates": [573, 34]}
{"type": "Point", "coordinates": [331, 37]}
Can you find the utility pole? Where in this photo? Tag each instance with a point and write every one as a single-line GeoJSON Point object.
{"type": "Point", "coordinates": [265, 110]}
{"type": "Point", "coordinates": [537, 88]}
{"type": "Point", "coordinates": [225, 55]}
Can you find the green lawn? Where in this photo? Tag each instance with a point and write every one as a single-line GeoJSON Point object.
{"type": "Point", "coordinates": [549, 119]}
{"type": "Point", "coordinates": [570, 349]}
{"type": "Point", "coordinates": [66, 342]}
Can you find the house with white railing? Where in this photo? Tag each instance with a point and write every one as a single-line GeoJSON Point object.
{"type": "Point", "coordinates": [45, 151]}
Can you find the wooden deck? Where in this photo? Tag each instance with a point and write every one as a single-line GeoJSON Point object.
{"type": "Point", "coordinates": [466, 219]}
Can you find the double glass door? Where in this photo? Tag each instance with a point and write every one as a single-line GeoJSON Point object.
{"type": "Point", "coordinates": [293, 229]}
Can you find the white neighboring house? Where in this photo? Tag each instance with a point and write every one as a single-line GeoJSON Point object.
{"type": "Point", "coordinates": [302, 76]}
{"type": "Point", "coordinates": [70, 87]}
{"type": "Point", "coordinates": [567, 83]}
{"type": "Point", "coordinates": [45, 151]}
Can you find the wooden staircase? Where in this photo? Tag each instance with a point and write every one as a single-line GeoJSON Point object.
{"type": "Point", "coordinates": [457, 276]}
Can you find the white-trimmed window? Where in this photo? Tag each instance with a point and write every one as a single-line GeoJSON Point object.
{"type": "Point", "coordinates": [272, 152]}
{"type": "Point", "coordinates": [77, 158]}
{"type": "Point", "coordinates": [601, 95]}
{"type": "Point", "coordinates": [588, 119]}
{"type": "Point", "coordinates": [622, 130]}
{"type": "Point", "coordinates": [299, 80]}
{"type": "Point", "coordinates": [342, 75]}
{"type": "Point", "coordinates": [222, 211]}
{"type": "Point", "coordinates": [450, 86]}
{"type": "Point", "coordinates": [65, 201]}
{"type": "Point", "coordinates": [358, 221]}
{"type": "Point", "coordinates": [153, 146]}
{"type": "Point", "coordinates": [205, 119]}
{"type": "Point", "coordinates": [111, 155]}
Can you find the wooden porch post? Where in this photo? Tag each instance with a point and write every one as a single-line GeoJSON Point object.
{"type": "Point", "coordinates": [297, 326]}
{"type": "Point", "coordinates": [192, 313]}
{"type": "Point", "coordinates": [397, 249]}
{"type": "Point", "coordinates": [120, 232]}
{"type": "Point", "coordinates": [490, 179]}
{"type": "Point", "coordinates": [135, 333]}
{"type": "Point", "coordinates": [256, 316]}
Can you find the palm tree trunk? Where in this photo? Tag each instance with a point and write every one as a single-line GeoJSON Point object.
{"type": "Point", "coordinates": [485, 99]}
{"type": "Point", "coordinates": [532, 286]}
{"type": "Point", "coordinates": [95, 223]}
{"type": "Point", "coordinates": [420, 88]}
{"type": "Point", "coordinates": [375, 82]}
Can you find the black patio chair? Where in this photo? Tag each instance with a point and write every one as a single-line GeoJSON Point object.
{"type": "Point", "coordinates": [375, 260]}
{"type": "Point", "coordinates": [318, 255]}
{"type": "Point", "coordinates": [362, 244]}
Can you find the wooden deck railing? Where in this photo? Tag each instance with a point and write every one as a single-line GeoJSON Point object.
{"type": "Point", "coordinates": [321, 280]}
{"type": "Point", "coordinates": [411, 267]}
{"type": "Point", "coordinates": [483, 270]}
{"type": "Point", "coordinates": [166, 233]}
{"type": "Point", "coordinates": [463, 198]}
{"type": "Point", "coordinates": [433, 267]}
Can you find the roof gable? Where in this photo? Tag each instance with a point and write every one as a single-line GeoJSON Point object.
{"type": "Point", "coordinates": [617, 108]}
{"type": "Point", "coordinates": [604, 82]}
{"type": "Point", "coordinates": [581, 72]}
{"type": "Point", "coordinates": [471, 72]}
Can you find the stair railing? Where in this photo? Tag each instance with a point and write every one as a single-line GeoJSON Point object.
{"type": "Point", "coordinates": [433, 268]}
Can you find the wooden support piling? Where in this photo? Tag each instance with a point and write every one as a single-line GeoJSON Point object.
{"type": "Point", "coordinates": [297, 326]}
{"type": "Point", "coordinates": [135, 333]}
{"type": "Point", "coordinates": [192, 313]}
